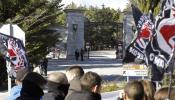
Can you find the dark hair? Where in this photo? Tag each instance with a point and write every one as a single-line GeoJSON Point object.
{"type": "Point", "coordinates": [134, 90]}
{"type": "Point", "coordinates": [35, 78]}
{"type": "Point", "coordinates": [77, 70]}
{"type": "Point", "coordinates": [89, 80]}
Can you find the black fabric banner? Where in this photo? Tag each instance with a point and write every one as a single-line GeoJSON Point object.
{"type": "Point", "coordinates": [135, 53]}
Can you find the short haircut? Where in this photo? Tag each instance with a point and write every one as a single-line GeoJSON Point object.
{"type": "Point", "coordinates": [77, 70]}
{"type": "Point", "coordinates": [57, 77]}
{"type": "Point", "coordinates": [134, 90]}
{"type": "Point", "coordinates": [58, 83]}
{"type": "Point", "coordinates": [162, 94]}
{"type": "Point", "coordinates": [89, 80]}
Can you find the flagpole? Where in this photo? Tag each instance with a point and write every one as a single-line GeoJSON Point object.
{"type": "Point", "coordinates": [8, 63]}
{"type": "Point", "coordinates": [171, 65]}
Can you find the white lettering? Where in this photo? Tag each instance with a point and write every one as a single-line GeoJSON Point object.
{"type": "Point", "coordinates": [136, 53]}
{"type": "Point", "coordinates": [151, 57]}
{"type": "Point", "coordinates": [159, 62]}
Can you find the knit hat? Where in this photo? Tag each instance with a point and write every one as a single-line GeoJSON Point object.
{"type": "Point", "coordinates": [21, 73]}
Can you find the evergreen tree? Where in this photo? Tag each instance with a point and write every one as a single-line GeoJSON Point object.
{"type": "Point", "coordinates": [34, 17]}
{"type": "Point", "coordinates": [144, 5]}
{"type": "Point", "coordinates": [105, 30]}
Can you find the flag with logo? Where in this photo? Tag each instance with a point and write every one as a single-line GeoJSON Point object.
{"type": "Point", "coordinates": [15, 53]}
{"type": "Point", "coordinates": [135, 53]}
{"type": "Point", "coordinates": [159, 50]}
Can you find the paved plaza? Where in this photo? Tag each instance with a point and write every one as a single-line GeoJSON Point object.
{"type": "Point", "coordinates": [101, 62]}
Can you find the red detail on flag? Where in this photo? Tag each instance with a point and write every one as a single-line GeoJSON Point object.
{"type": "Point", "coordinates": [167, 32]}
{"type": "Point", "coordinates": [11, 52]}
{"type": "Point", "coordinates": [145, 33]}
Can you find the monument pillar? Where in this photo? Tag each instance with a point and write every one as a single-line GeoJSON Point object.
{"type": "Point", "coordinates": [75, 26]}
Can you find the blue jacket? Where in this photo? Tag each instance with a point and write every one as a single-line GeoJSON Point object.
{"type": "Point", "coordinates": [15, 92]}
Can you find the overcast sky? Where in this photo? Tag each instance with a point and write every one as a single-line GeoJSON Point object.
{"type": "Point", "coordinates": [108, 3]}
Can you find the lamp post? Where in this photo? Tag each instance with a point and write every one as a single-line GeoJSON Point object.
{"type": "Point", "coordinates": [74, 28]}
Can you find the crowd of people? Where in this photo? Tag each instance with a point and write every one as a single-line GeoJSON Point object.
{"type": "Point", "coordinates": [75, 84]}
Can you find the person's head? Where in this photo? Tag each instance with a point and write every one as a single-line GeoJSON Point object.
{"type": "Point", "coordinates": [134, 91]}
{"type": "Point", "coordinates": [149, 90]}
{"type": "Point", "coordinates": [57, 77]}
{"type": "Point", "coordinates": [35, 78]}
{"type": "Point", "coordinates": [20, 74]}
{"type": "Point", "coordinates": [91, 82]}
{"type": "Point", "coordinates": [162, 94]}
{"type": "Point", "coordinates": [34, 65]}
{"type": "Point", "coordinates": [74, 71]}
{"type": "Point", "coordinates": [58, 83]}
{"type": "Point", "coordinates": [33, 85]}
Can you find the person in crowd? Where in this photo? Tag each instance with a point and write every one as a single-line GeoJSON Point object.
{"type": "Point", "coordinates": [44, 66]}
{"type": "Point", "coordinates": [32, 87]}
{"type": "Point", "coordinates": [82, 54]}
{"type": "Point", "coordinates": [91, 86]}
{"type": "Point", "coordinates": [162, 94]}
{"type": "Point", "coordinates": [76, 54]}
{"type": "Point", "coordinates": [15, 91]}
{"type": "Point", "coordinates": [116, 53]}
{"type": "Point", "coordinates": [57, 86]}
{"type": "Point", "coordinates": [121, 95]}
{"type": "Point", "coordinates": [134, 91]}
{"type": "Point", "coordinates": [36, 68]}
{"type": "Point", "coordinates": [149, 90]}
{"type": "Point", "coordinates": [74, 73]}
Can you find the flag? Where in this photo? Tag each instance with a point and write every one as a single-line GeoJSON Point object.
{"type": "Point", "coordinates": [15, 53]}
{"type": "Point", "coordinates": [159, 50]}
{"type": "Point", "coordinates": [135, 53]}
{"type": "Point", "coordinates": [156, 59]}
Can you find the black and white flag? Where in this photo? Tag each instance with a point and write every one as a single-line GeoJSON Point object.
{"type": "Point", "coordinates": [15, 53]}
{"type": "Point", "coordinates": [159, 50]}
{"type": "Point", "coordinates": [135, 53]}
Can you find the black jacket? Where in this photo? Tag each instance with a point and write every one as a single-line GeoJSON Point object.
{"type": "Point", "coordinates": [84, 95]}
{"type": "Point", "coordinates": [56, 91]}
{"type": "Point", "coordinates": [30, 91]}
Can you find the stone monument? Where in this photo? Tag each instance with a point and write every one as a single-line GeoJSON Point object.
{"type": "Point", "coordinates": [75, 26]}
